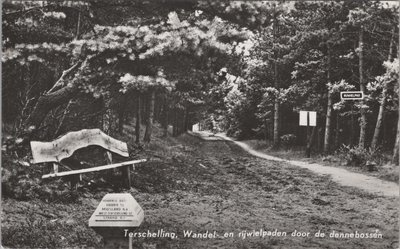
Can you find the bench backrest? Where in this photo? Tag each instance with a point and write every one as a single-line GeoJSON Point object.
{"type": "Point", "coordinates": [66, 145]}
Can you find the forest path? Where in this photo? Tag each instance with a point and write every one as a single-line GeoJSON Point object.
{"type": "Point", "coordinates": [342, 176]}
{"type": "Point", "coordinates": [213, 186]}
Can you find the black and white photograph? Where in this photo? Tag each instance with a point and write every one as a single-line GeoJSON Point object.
{"type": "Point", "coordinates": [185, 124]}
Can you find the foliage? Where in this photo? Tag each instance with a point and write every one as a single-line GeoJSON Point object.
{"type": "Point", "coordinates": [142, 83]}
{"type": "Point", "coordinates": [288, 140]}
{"type": "Point", "coordinates": [360, 157]}
{"type": "Point", "coordinates": [19, 184]}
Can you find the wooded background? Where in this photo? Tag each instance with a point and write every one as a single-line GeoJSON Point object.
{"type": "Point", "coordinates": [246, 68]}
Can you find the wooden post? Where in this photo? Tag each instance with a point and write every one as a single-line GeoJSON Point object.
{"type": "Point", "coordinates": [310, 142]}
{"type": "Point", "coordinates": [126, 175]}
{"type": "Point", "coordinates": [109, 157]}
{"type": "Point", "coordinates": [55, 168]}
{"type": "Point", "coordinates": [74, 180]}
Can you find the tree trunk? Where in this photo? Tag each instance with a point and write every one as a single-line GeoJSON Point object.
{"type": "Point", "coordinates": [396, 157]}
{"type": "Point", "coordinates": [138, 118]}
{"type": "Point", "coordinates": [150, 117]}
{"type": "Point", "coordinates": [327, 138]}
{"type": "Point", "coordinates": [363, 120]}
{"type": "Point", "coordinates": [121, 119]}
{"type": "Point", "coordinates": [48, 102]}
{"type": "Point", "coordinates": [353, 127]}
{"type": "Point", "coordinates": [276, 139]}
{"type": "Point", "coordinates": [59, 94]}
{"type": "Point", "coordinates": [165, 116]}
{"type": "Point", "coordinates": [337, 131]}
{"type": "Point", "coordinates": [378, 126]}
{"type": "Point", "coordinates": [379, 119]}
{"type": "Point", "coordinates": [186, 123]}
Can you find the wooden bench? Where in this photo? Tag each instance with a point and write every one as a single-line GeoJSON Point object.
{"type": "Point", "coordinates": [63, 148]}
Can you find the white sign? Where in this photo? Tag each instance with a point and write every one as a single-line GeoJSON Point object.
{"type": "Point", "coordinates": [352, 95]}
{"type": "Point", "coordinates": [308, 118]}
{"type": "Point", "coordinates": [117, 210]}
{"type": "Point", "coordinates": [312, 118]}
{"type": "Point", "coordinates": [303, 118]}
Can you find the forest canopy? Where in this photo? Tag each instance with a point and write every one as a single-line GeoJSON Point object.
{"type": "Point", "coordinates": [243, 67]}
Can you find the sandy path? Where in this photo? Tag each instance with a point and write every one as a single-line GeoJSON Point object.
{"type": "Point", "coordinates": [339, 175]}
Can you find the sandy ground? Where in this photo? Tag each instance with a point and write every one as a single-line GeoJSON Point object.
{"type": "Point", "coordinates": [216, 190]}
{"type": "Point", "coordinates": [339, 175]}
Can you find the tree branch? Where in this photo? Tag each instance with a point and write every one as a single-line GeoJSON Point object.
{"type": "Point", "coordinates": [60, 81]}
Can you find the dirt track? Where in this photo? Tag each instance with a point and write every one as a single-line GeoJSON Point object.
{"type": "Point", "coordinates": [339, 175]}
{"type": "Point", "coordinates": [222, 188]}
{"type": "Point", "coordinates": [216, 186]}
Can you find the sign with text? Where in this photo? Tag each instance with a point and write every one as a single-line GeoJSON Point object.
{"type": "Point", "coordinates": [308, 118]}
{"type": "Point", "coordinates": [117, 210]}
{"type": "Point", "coordinates": [355, 95]}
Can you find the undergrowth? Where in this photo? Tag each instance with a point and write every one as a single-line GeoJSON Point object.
{"type": "Point", "coordinates": [360, 157]}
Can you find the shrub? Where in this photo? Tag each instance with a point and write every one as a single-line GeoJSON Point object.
{"type": "Point", "coordinates": [288, 140]}
{"type": "Point", "coordinates": [23, 183]}
{"type": "Point", "coordinates": [356, 156]}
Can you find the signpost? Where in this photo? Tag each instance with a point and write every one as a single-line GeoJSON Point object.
{"type": "Point", "coordinates": [115, 214]}
{"type": "Point", "coordinates": [352, 95]}
{"type": "Point", "coordinates": [308, 118]}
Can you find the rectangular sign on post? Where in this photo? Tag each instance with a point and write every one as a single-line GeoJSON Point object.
{"type": "Point", "coordinates": [303, 118]}
{"type": "Point", "coordinates": [312, 118]}
{"type": "Point", "coordinates": [308, 118]}
{"type": "Point", "coordinates": [352, 95]}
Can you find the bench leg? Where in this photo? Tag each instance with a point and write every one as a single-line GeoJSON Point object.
{"type": "Point", "coordinates": [74, 180]}
{"type": "Point", "coordinates": [126, 175]}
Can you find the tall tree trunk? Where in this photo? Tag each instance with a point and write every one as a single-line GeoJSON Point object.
{"type": "Point", "coordinates": [276, 140]}
{"type": "Point", "coordinates": [396, 158]}
{"type": "Point", "coordinates": [186, 123]}
{"type": "Point", "coordinates": [121, 119]}
{"type": "Point", "coordinates": [138, 118]}
{"type": "Point", "coordinates": [121, 113]}
{"type": "Point", "coordinates": [363, 120]}
{"type": "Point", "coordinates": [378, 126]}
{"type": "Point", "coordinates": [165, 115]}
{"type": "Point", "coordinates": [353, 127]}
{"type": "Point", "coordinates": [150, 117]}
{"type": "Point", "coordinates": [327, 138]}
{"type": "Point", "coordinates": [337, 130]}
